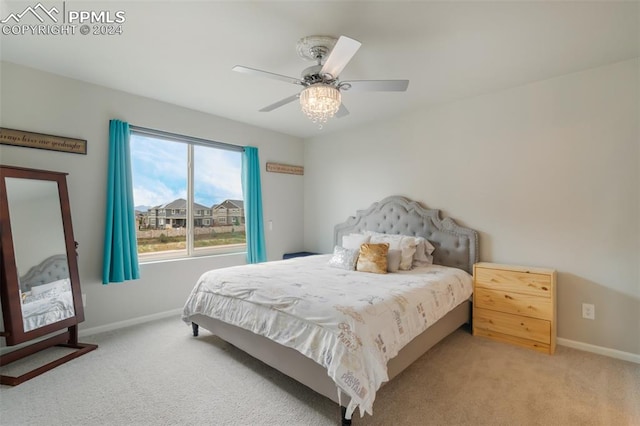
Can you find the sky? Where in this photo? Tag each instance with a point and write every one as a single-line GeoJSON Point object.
{"type": "Point", "coordinates": [159, 170]}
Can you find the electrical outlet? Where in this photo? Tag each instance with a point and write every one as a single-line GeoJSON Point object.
{"type": "Point", "coordinates": [588, 311]}
{"type": "Point", "coordinates": [84, 300]}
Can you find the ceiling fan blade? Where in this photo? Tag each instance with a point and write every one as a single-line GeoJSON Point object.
{"type": "Point", "coordinates": [280, 103]}
{"type": "Point", "coordinates": [342, 111]}
{"type": "Point", "coordinates": [376, 85]}
{"type": "Point", "coordinates": [340, 56]}
{"type": "Point", "coordinates": [252, 71]}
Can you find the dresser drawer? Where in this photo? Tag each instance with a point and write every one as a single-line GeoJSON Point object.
{"type": "Point", "coordinates": [514, 303]}
{"type": "Point", "coordinates": [514, 281]}
{"type": "Point", "coordinates": [513, 325]}
{"type": "Point", "coordinates": [505, 338]}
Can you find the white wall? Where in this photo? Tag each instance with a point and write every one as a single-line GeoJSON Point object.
{"type": "Point", "coordinates": [40, 102]}
{"type": "Point", "coordinates": [548, 173]}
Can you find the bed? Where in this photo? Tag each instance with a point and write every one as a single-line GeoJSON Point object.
{"type": "Point", "coordinates": [277, 312]}
{"type": "Point", "coordinates": [45, 292]}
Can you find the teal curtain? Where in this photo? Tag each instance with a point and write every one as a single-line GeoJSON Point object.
{"type": "Point", "coordinates": [254, 224]}
{"type": "Point", "coordinates": [120, 246]}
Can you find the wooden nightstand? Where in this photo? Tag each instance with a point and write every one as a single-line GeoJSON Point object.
{"type": "Point", "coordinates": [515, 304]}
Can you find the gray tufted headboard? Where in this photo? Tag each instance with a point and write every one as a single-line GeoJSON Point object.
{"type": "Point", "coordinates": [53, 268]}
{"type": "Point", "coordinates": [456, 246]}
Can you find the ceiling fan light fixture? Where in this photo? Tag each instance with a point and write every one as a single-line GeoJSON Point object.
{"type": "Point", "coordinates": [320, 98]}
{"type": "Point", "coordinates": [320, 102]}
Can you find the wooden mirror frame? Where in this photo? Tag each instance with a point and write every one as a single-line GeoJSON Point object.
{"type": "Point", "coordinates": [14, 332]}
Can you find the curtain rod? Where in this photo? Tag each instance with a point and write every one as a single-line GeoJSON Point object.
{"type": "Point", "coordinates": [183, 138]}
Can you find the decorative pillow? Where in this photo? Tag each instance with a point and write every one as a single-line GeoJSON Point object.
{"type": "Point", "coordinates": [423, 256]}
{"type": "Point", "coordinates": [354, 241]}
{"type": "Point", "coordinates": [393, 260]}
{"type": "Point", "coordinates": [373, 258]}
{"type": "Point", "coordinates": [344, 258]}
{"type": "Point", "coordinates": [397, 242]}
{"type": "Point", "coordinates": [430, 248]}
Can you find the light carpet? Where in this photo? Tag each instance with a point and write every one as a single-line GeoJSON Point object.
{"type": "Point", "coordinates": [159, 374]}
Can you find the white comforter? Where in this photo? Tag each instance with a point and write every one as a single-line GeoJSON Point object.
{"type": "Point", "coordinates": [350, 322]}
{"type": "Point", "coordinates": [47, 304]}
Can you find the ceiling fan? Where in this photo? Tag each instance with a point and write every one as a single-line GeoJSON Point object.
{"type": "Point", "coordinates": [321, 97]}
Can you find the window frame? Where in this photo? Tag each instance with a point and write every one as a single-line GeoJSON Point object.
{"type": "Point", "coordinates": [190, 251]}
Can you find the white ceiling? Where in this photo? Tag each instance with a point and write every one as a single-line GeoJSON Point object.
{"type": "Point", "coordinates": [182, 52]}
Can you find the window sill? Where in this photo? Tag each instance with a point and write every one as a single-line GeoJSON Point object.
{"type": "Point", "coordinates": [172, 256]}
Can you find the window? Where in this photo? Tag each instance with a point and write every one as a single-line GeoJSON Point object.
{"type": "Point", "coordinates": [177, 182]}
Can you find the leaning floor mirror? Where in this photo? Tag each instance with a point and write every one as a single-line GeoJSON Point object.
{"type": "Point", "coordinates": [40, 284]}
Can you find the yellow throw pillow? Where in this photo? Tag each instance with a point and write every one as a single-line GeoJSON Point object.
{"type": "Point", "coordinates": [373, 258]}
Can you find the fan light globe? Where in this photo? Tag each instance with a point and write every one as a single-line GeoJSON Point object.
{"type": "Point", "coordinates": [320, 102]}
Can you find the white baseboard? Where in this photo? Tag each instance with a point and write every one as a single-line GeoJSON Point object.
{"type": "Point", "coordinates": [129, 322]}
{"type": "Point", "coordinates": [100, 329]}
{"type": "Point", "coordinates": [613, 353]}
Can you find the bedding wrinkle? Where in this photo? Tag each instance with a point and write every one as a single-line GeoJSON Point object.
{"type": "Point", "coordinates": [352, 323]}
{"type": "Point", "coordinates": [51, 303]}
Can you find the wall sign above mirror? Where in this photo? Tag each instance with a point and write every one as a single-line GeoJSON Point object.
{"type": "Point", "coordinates": [42, 141]}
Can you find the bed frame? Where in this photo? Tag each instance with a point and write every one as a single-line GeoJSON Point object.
{"type": "Point", "coordinates": [455, 245]}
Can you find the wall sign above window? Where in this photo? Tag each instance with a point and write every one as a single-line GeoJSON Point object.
{"type": "Point", "coordinates": [42, 141]}
{"type": "Point", "coordinates": [285, 168]}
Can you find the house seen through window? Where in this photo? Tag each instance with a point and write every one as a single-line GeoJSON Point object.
{"type": "Point", "coordinates": [187, 195]}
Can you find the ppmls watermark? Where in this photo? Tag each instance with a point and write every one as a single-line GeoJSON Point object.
{"type": "Point", "coordinates": [62, 20]}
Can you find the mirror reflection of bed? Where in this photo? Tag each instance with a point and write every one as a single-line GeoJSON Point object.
{"type": "Point", "coordinates": [45, 292]}
{"type": "Point", "coordinates": [39, 251]}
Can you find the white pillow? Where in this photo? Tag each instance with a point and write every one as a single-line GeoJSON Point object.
{"type": "Point", "coordinates": [430, 248]}
{"type": "Point", "coordinates": [354, 241]}
{"type": "Point", "coordinates": [60, 286]}
{"type": "Point", "coordinates": [393, 260]}
{"type": "Point", "coordinates": [397, 242]}
{"type": "Point", "coordinates": [423, 256]}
